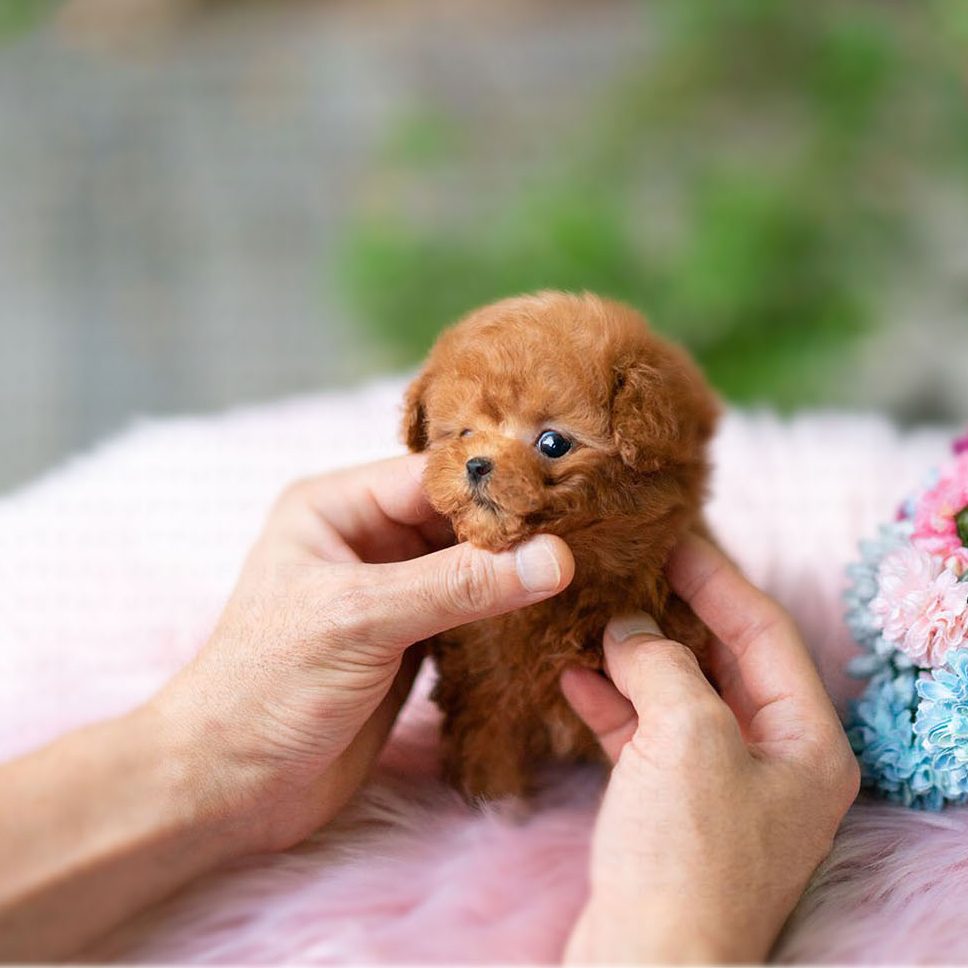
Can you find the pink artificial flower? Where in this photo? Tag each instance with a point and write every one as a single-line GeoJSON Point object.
{"type": "Point", "coordinates": [921, 606]}
{"type": "Point", "coordinates": [960, 446]}
{"type": "Point", "coordinates": [937, 511]}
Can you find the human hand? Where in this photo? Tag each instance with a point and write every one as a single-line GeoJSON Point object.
{"type": "Point", "coordinates": [719, 809]}
{"type": "Point", "coordinates": [288, 704]}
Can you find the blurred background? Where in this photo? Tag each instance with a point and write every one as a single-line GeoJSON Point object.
{"type": "Point", "coordinates": [208, 202]}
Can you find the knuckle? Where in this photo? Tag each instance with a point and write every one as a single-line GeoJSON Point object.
{"type": "Point", "coordinates": [663, 656]}
{"type": "Point", "coordinates": [680, 720]}
{"type": "Point", "coordinates": [850, 778]}
{"type": "Point", "coordinates": [784, 623]}
{"type": "Point", "coordinates": [468, 587]}
{"type": "Point", "coordinates": [834, 764]}
{"type": "Point", "coordinates": [698, 718]}
{"type": "Point", "coordinates": [845, 772]}
{"type": "Point", "coordinates": [772, 620]}
{"type": "Point", "coordinates": [293, 494]}
{"type": "Point", "coordinates": [347, 612]}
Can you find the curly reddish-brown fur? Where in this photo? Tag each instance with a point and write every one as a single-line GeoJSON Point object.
{"type": "Point", "coordinates": [639, 414]}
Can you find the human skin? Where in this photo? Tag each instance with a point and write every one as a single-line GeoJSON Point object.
{"type": "Point", "coordinates": [265, 735]}
{"type": "Point", "coordinates": [719, 807]}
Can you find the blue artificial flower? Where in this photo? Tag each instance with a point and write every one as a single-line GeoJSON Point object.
{"type": "Point", "coordinates": [892, 758]}
{"type": "Point", "coordinates": [909, 729]}
{"type": "Point", "coordinates": [942, 718]}
{"type": "Point", "coordinates": [880, 655]}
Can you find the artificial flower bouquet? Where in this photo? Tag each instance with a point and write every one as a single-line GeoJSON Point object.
{"type": "Point", "coordinates": [908, 609]}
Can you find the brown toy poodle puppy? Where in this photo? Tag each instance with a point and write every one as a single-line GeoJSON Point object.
{"type": "Point", "coordinates": [563, 414]}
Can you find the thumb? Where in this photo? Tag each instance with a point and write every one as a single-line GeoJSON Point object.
{"type": "Point", "coordinates": [428, 595]}
{"type": "Point", "coordinates": [653, 672]}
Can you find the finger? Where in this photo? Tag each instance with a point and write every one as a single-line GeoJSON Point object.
{"type": "Point", "coordinates": [413, 600]}
{"type": "Point", "coordinates": [760, 661]}
{"type": "Point", "coordinates": [376, 729]}
{"type": "Point", "coordinates": [379, 510]}
{"type": "Point", "coordinates": [351, 767]}
{"type": "Point", "coordinates": [606, 712]}
{"type": "Point", "coordinates": [651, 671]}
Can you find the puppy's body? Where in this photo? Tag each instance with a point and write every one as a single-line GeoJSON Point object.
{"type": "Point", "coordinates": [560, 414]}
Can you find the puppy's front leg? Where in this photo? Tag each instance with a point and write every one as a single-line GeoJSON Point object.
{"type": "Point", "coordinates": [681, 624]}
{"type": "Point", "coordinates": [484, 741]}
{"type": "Point", "coordinates": [483, 761]}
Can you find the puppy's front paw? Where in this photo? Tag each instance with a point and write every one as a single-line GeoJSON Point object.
{"type": "Point", "coordinates": [486, 777]}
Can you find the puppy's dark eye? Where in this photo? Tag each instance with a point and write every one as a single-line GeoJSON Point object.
{"type": "Point", "coordinates": [466, 432]}
{"type": "Point", "coordinates": [552, 444]}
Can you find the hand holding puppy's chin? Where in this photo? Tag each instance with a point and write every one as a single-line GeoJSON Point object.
{"type": "Point", "coordinates": [296, 690]}
{"type": "Point", "coordinates": [495, 509]}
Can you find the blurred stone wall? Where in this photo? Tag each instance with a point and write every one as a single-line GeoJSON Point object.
{"type": "Point", "coordinates": [174, 186]}
{"type": "Point", "coordinates": [170, 199]}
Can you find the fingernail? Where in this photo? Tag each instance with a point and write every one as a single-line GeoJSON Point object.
{"type": "Point", "coordinates": [638, 623]}
{"type": "Point", "coordinates": [537, 566]}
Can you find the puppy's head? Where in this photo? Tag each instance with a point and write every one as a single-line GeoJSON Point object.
{"type": "Point", "coordinates": [552, 411]}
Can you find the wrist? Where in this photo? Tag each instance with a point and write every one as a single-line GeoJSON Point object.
{"type": "Point", "coordinates": [645, 930]}
{"type": "Point", "coordinates": [107, 819]}
{"type": "Point", "coordinates": [205, 792]}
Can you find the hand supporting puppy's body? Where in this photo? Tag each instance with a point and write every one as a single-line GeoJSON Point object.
{"type": "Point", "coordinates": [560, 414]}
{"type": "Point", "coordinates": [498, 683]}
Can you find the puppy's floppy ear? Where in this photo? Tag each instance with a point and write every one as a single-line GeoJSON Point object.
{"type": "Point", "coordinates": [663, 411]}
{"type": "Point", "coordinates": [414, 426]}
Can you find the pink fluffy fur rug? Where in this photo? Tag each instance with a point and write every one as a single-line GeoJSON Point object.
{"type": "Point", "coordinates": [113, 568]}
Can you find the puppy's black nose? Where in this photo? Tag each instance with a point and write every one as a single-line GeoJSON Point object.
{"type": "Point", "coordinates": [478, 468]}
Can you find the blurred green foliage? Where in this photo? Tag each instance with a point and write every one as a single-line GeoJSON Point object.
{"type": "Point", "coordinates": [751, 185]}
{"type": "Point", "coordinates": [18, 15]}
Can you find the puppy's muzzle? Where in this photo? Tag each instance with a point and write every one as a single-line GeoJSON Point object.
{"type": "Point", "coordinates": [478, 470]}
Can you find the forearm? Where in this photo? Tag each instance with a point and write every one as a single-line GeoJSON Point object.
{"type": "Point", "coordinates": [95, 827]}
{"type": "Point", "coordinates": [648, 933]}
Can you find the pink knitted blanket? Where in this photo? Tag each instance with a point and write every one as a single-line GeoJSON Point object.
{"type": "Point", "coordinates": [114, 567]}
